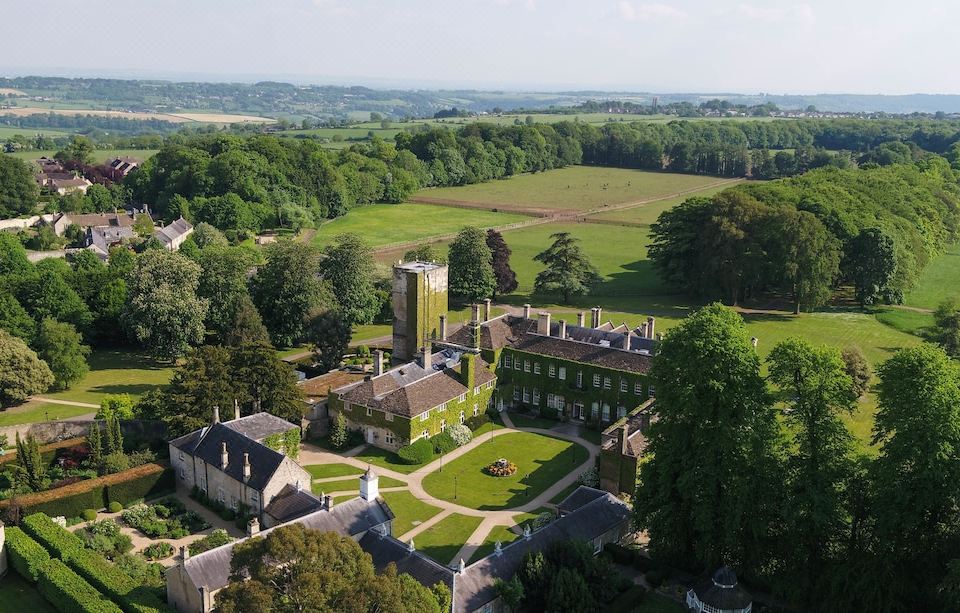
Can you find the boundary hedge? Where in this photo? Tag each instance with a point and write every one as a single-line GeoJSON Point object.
{"type": "Point", "coordinates": [69, 593]}
{"type": "Point", "coordinates": [47, 452]}
{"type": "Point", "coordinates": [145, 481]}
{"type": "Point", "coordinates": [27, 556]}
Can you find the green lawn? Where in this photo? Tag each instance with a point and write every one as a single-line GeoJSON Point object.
{"type": "Point", "coordinates": [910, 322]}
{"type": "Point", "coordinates": [646, 214]}
{"type": "Point", "coordinates": [541, 461]}
{"type": "Point", "coordinates": [325, 471]}
{"type": "Point", "coordinates": [938, 281]}
{"type": "Point", "coordinates": [7, 132]}
{"type": "Point", "coordinates": [574, 187]}
{"type": "Point", "coordinates": [498, 533]}
{"type": "Point", "coordinates": [349, 485]}
{"type": "Point", "coordinates": [443, 540]}
{"type": "Point", "coordinates": [386, 459]}
{"type": "Point", "coordinates": [18, 595]}
{"type": "Point", "coordinates": [381, 224]}
{"type": "Point", "coordinates": [117, 372]}
{"type": "Point", "coordinates": [33, 412]}
{"type": "Point", "coordinates": [409, 511]}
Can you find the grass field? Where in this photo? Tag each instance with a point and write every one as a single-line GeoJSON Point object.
{"type": "Point", "coordinates": [116, 372]}
{"type": "Point", "coordinates": [498, 533]}
{"type": "Point", "coordinates": [940, 280]}
{"type": "Point", "coordinates": [99, 155]}
{"type": "Point", "coordinates": [647, 214]}
{"type": "Point", "coordinates": [18, 595]}
{"type": "Point", "coordinates": [443, 540]}
{"type": "Point", "coordinates": [381, 224]}
{"type": "Point", "coordinates": [7, 131]}
{"type": "Point", "coordinates": [573, 188]}
{"type": "Point", "coordinates": [409, 511]}
{"type": "Point", "coordinates": [36, 411]}
{"type": "Point", "coordinates": [541, 461]}
{"type": "Point", "coordinates": [385, 459]}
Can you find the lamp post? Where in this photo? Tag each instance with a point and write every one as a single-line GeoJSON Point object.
{"type": "Point", "coordinates": [455, 479]}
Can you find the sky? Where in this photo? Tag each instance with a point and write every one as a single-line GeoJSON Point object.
{"type": "Point", "coordinates": [773, 46]}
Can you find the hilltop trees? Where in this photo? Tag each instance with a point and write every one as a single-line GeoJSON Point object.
{"type": "Point", "coordinates": [500, 253]}
{"type": "Point", "coordinates": [872, 263]}
{"type": "Point", "coordinates": [18, 189]}
{"type": "Point", "coordinates": [568, 270]}
{"type": "Point", "coordinates": [471, 270]}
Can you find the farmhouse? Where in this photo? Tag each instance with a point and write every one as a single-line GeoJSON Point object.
{"type": "Point", "coordinates": [100, 239]}
{"type": "Point", "coordinates": [173, 235]}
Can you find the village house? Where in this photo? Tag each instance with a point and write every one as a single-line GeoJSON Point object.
{"type": "Point", "coordinates": [64, 186]}
{"type": "Point", "coordinates": [119, 167]}
{"type": "Point", "coordinates": [173, 235]}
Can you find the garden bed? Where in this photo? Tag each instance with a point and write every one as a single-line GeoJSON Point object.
{"type": "Point", "coordinates": [167, 519]}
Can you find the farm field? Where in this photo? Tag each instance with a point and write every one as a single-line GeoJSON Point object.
{"type": "Point", "coordinates": [381, 224]}
{"type": "Point", "coordinates": [8, 131]}
{"type": "Point", "coordinates": [99, 155]}
{"type": "Point", "coordinates": [116, 372]}
{"type": "Point", "coordinates": [73, 109]}
{"type": "Point", "coordinates": [571, 188]}
{"type": "Point", "coordinates": [646, 214]}
{"type": "Point", "coordinates": [939, 281]}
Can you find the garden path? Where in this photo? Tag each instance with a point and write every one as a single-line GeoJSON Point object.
{"type": "Point", "coordinates": [71, 403]}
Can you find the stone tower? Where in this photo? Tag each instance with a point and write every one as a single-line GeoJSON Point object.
{"type": "Point", "coordinates": [419, 299]}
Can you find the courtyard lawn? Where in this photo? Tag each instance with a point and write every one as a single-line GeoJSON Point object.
{"type": "Point", "coordinates": [381, 224]}
{"type": "Point", "coordinates": [443, 540]}
{"type": "Point", "coordinates": [387, 459]}
{"type": "Point", "coordinates": [541, 461]}
{"type": "Point", "coordinates": [938, 281]}
{"type": "Point", "coordinates": [117, 372]}
{"type": "Point", "coordinates": [18, 595]}
{"type": "Point", "coordinates": [349, 485]}
{"type": "Point", "coordinates": [36, 411]}
{"type": "Point", "coordinates": [498, 533]}
{"type": "Point", "coordinates": [325, 471]}
{"type": "Point", "coordinates": [572, 188]}
{"type": "Point", "coordinates": [408, 510]}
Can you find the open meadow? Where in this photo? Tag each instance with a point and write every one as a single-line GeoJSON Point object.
{"type": "Point", "coordinates": [939, 281]}
{"type": "Point", "coordinates": [99, 155]}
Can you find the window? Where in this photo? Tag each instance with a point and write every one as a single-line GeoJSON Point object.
{"type": "Point", "coordinates": [181, 456]}
{"type": "Point", "coordinates": [516, 393]}
{"type": "Point", "coordinates": [579, 379]}
{"type": "Point", "coordinates": [606, 383]}
{"type": "Point", "coordinates": [577, 409]}
{"type": "Point", "coordinates": [476, 390]}
{"type": "Point", "coordinates": [506, 361]}
{"type": "Point", "coordinates": [346, 406]}
{"type": "Point", "coordinates": [536, 396]}
{"type": "Point", "coordinates": [516, 364]}
{"type": "Point", "coordinates": [638, 388]}
{"type": "Point", "coordinates": [596, 380]}
{"type": "Point", "coordinates": [652, 392]}
{"type": "Point", "coordinates": [597, 545]}
{"type": "Point", "coordinates": [623, 385]}
{"type": "Point", "coordinates": [563, 372]}
{"type": "Point", "coordinates": [621, 412]}
{"type": "Point", "coordinates": [220, 494]}
{"type": "Point", "coordinates": [606, 412]}
{"type": "Point", "coordinates": [476, 410]}
{"type": "Point", "coordinates": [594, 410]}
{"type": "Point", "coordinates": [255, 501]}
{"type": "Point", "coordinates": [442, 407]}
{"type": "Point", "coordinates": [389, 438]}
{"type": "Point", "coordinates": [425, 415]}
{"type": "Point", "coordinates": [443, 425]}
{"type": "Point", "coordinates": [526, 395]}
{"type": "Point", "coordinates": [552, 371]}
{"type": "Point", "coordinates": [462, 398]}
{"type": "Point", "coordinates": [369, 412]}
{"type": "Point", "coordinates": [424, 434]}
{"type": "Point", "coordinates": [183, 474]}
{"type": "Point", "coordinates": [203, 483]}
{"type": "Point", "coordinates": [233, 503]}
{"type": "Point", "coordinates": [462, 418]}
{"type": "Point", "coordinates": [559, 403]}
{"type": "Point", "coordinates": [536, 368]}
{"type": "Point", "coordinates": [526, 366]}
{"type": "Point", "coordinates": [388, 415]}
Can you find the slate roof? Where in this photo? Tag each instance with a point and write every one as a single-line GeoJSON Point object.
{"type": "Point", "coordinates": [385, 549]}
{"type": "Point", "coordinates": [637, 424]}
{"type": "Point", "coordinates": [174, 230]}
{"type": "Point", "coordinates": [475, 586]}
{"type": "Point", "coordinates": [291, 503]}
{"type": "Point", "coordinates": [317, 387]}
{"type": "Point", "coordinates": [586, 353]}
{"type": "Point", "coordinates": [88, 220]}
{"type": "Point", "coordinates": [578, 498]}
{"type": "Point", "coordinates": [206, 445]}
{"type": "Point", "coordinates": [259, 425]}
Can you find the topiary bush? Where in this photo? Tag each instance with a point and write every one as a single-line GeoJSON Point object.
{"type": "Point", "coordinates": [460, 434]}
{"type": "Point", "coordinates": [26, 555]}
{"type": "Point", "coordinates": [443, 443]}
{"type": "Point", "coordinates": [89, 514]}
{"type": "Point", "coordinates": [115, 507]}
{"type": "Point", "coordinates": [158, 551]}
{"type": "Point", "coordinates": [68, 592]}
{"type": "Point", "coordinates": [217, 538]}
{"type": "Point", "coordinates": [419, 452]}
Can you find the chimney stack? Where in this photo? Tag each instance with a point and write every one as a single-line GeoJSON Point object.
{"type": "Point", "coordinates": [184, 553]}
{"type": "Point", "coordinates": [474, 313]}
{"type": "Point", "coordinates": [253, 527]}
{"type": "Point", "coordinates": [328, 501]}
{"type": "Point", "coordinates": [377, 363]}
{"type": "Point", "coordinates": [643, 330]}
{"type": "Point", "coordinates": [246, 466]}
{"type": "Point", "coordinates": [624, 436]}
{"type": "Point", "coordinates": [216, 415]}
{"type": "Point", "coordinates": [486, 309]}
{"type": "Point", "coordinates": [236, 409]}
{"type": "Point", "coordinates": [599, 317]}
{"type": "Point", "coordinates": [526, 311]}
{"type": "Point", "coordinates": [563, 329]}
{"type": "Point", "coordinates": [443, 327]}
{"type": "Point", "coordinates": [427, 355]}
{"type": "Point", "coordinates": [650, 324]}
{"type": "Point", "coordinates": [543, 323]}
{"type": "Point", "coordinates": [224, 458]}
{"type": "Point", "coordinates": [580, 317]}
{"type": "Point", "coordinates": [628, 340]}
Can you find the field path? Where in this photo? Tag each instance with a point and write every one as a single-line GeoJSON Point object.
{"type": "Point", "coordinates": [71, 403]}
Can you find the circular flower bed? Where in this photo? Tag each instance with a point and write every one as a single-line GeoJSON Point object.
{"type": "Point", "coordinates": [501, 468]}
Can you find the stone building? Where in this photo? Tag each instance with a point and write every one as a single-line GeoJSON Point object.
{"type": "Point", "coordinates": [419, 298]}
{"type": "Point", "coordinates": [172, 235]}
{"type": "Point", "coordinates": [621, 447]}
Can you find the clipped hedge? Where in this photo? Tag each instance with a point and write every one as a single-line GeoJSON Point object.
{"type": "Point", "coordinates": [69, 593]}
{"type": "Point", "coordinates": [47, 452]}
{"type": "Point", "coordinates": [443, 443]}
{"type": "Point", "coordinates": [100, 573]}
{"type": "Point", "coordinates": [55, 538]}
{"type": "Point", "coordinates": [26, 555]}
{"type": "Point", "coordinates": [419, 452]}
{"type": "Point", "coordinates": [142, 482]}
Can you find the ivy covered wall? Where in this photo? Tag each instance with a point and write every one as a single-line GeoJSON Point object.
{"type": "Point", "coordinates": [287, 443]}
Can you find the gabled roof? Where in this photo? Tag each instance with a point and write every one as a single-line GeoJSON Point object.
{"type": "Point", "coordinates": [722, 591]}
{"type": "Point", "coordinates": [586, 353]}
{"type": "Point", "coordinates": [291, 503]}
{"type": "Point", "coordinates": [259, 426]}
{"type": "Point", "coordinates": [578, 498]}
{"type": "Point", "coordinates": [206, 444]}
{"type": "Point", "coordinates": [385, 549]}
{"type": "Point", "coordinates": [177, 228]}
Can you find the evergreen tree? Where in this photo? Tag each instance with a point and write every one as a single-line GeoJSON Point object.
{"type": "Point", "coordinates": [95, 442]}
{"type": "Point", "coordinates": [471, 270]}
{"type": "Point", "coordinates": [116, 436]}
{"type": "Point", "coordinates": [569, 592]}
{"type": "Point", "coordinates": [328, 334]}
{"type": "Point", "coordinates": [29, 469]}
{"type": "Point", "coordinates": [568, 269]}
{"type": "Point", "coordinates": [500, 253]}
{"type": "Point", "coordinates": [265, 382]}
{"type": "Point", "coordinates": [247, 326]}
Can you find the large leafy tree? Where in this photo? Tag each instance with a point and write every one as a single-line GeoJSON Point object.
{"type": "Point", "coordinates": [294, 568]}
{"type": "Point", "coordinates": [13, 256]}
{"type": "Point", "coordinates": [22, 373]}
{"type": "Point", "coordinates": [817, 392]}
{"type": "Point", "coordinates": [328, 334]}
{"type": "Point", "coordinates": [14, 318]}
{"type": "Point", "coordinates": [917, 502]}
{"type": "Point", "coordinates": [287, 289]}
{"type": "Point", "coordinates": [203, 380]}
{"type": "Point", "coordinates": [163, 311]}
{"type": "Point", "coordinates": [709, 493]}
{"type": "Point", "coordinates": [48, 295]}
{"type": "Point", "coordinates": [79, 150]}
{"type": "Point", "coordinates": [500, 254]}
{"type": "Point", "coordinates": [872, 264]}
{"type": "Point", "coordinates": [568, 270]}
{"type": "Point", "coordinates": [471, 271]}
{"type": "Point", "coordinates": [246, 326]}
{"type": "Point", "coordinates": [265, 382]}
{"type": "Point", "coordinates": [18, 189]}
{"type": "Point", "coordinates": [811, 259]}
{"type": "Point", "coordinates": [61, 347]}
{"type": "Point", "coordinates": [947, 326]}
{"type": "Point", "coordinates": [223, 284]}
{"type": "Point", "coordinates": [349, 268]}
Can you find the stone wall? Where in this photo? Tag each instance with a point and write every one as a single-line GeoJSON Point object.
{"type": "Point", "coordinates": [58, 430]}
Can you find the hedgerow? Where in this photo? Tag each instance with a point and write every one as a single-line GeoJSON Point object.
{"type": "Point", "coordinates": [69, 593]}
{"type": "Point", "coordinates": [26, 555]}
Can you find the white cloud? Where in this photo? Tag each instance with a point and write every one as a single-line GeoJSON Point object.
{"type": "Point", "coordinates": [798, 13]}
{"type": "Point", "coordinates": [648, 12]}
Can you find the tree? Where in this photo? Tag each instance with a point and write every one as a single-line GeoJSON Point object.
{"type": "Point", "coordinates": [471, 271]}
{"type": "Point", "coordinates": [568, 270]}
{"type": "Point", "coordinates": [812, 259]}
{"type": "Point", "coordinates": [858, 369]}
{"type": "Point", "coordinates": [163, 311]}
{"type": "Point", "coordinates": [18, 189]}
{"type": "Point", "coordinates": [818, 392]}
{"type": "Point", "coordinates": [338, 432]}
{"type": "Point", "coordinates": [329, 334]}
{"type": "Point", "coordinates": [246, 326]}
{"type": "Point", "coordinates": [286, 290]}
{"type": "Point", "coordinates": [871, 266]}
{"type": "Point", "coordinates": [15, 319]}
{"type": "Point", "coordinates": [294, 568]}
{"type": "Point", "coordinates": [500, 258]}
{"type": "Point", "coordinates": [708, 495]}
{"type": "Point", "coordinates": [79, 150]}
{"type": "Point", "coordinates": [203, 380]}
{"type": "Point", "coordinates": [947, 326]}
{"type": "Point", "coordinates": [425, 253]}
{"type": "Point", "coordinates": [510, 591]}
{"type": "Point", "coordinates": [917, 475]}
{"type": "Point", "coordinates": [49, 296]}
{"type": "Point", "coordinates": [13, 257]}
{"type": "Point", "coordinates": [116, 405]}
{"type": "Point", "coordinates": [348, 267]}
{"type": "Point", "coordinates": [95, 443]}
{"type": "Point", "coordinates": [143, 226]}
{"type": "Point", "coordinates": [29, 468]}
{"type": "Point", "coordinates": [223, 284]}
{"type": "Point", "coordinates": [265, 382]}
{"type": "Point", "coordinates": [22, 373]}
{"type": "Point", "coordinates": [569, 592]}
{"type": "Point", "coordinates": [204, 235]}
{"type": "Point", "coordinates": [62, 348]}
{"type": "Point", "coordinates": [114, 438]}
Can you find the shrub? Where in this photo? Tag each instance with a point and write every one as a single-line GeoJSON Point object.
{"type": "Point", "coordinates": [460, 434]}
{"type": "Point", "coordinates": [419, 452]}
{"type": "Point", "coordinates": [619, 553]}
{"type": "Point", "coordinates": [89, 514]}
{"type": "Point", "coordinates": [158, 551]}
{"type": "Point", "coordinates": [26, 555]}
{"type": "Point", "coordinates": [655, 577]}
{"type": "Point", "coordinates": [115, 507]}
{"type": "Point", "coordinates": [217, 538]}
{"type": "Point", "coordinates": [541, 520]}
{"type": "Point", "coordinates": [55, 538]}
{"type": "Point", "coordinates": [68, 592]}
{"type": "Point", "coordinates": [475, 423]}
{"type": "Point", "coordinates": [589, 477]}
{"type": "Point", "coordinates": [104, 537]}
{"type": "Point", "coordinates": [442, 443]}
